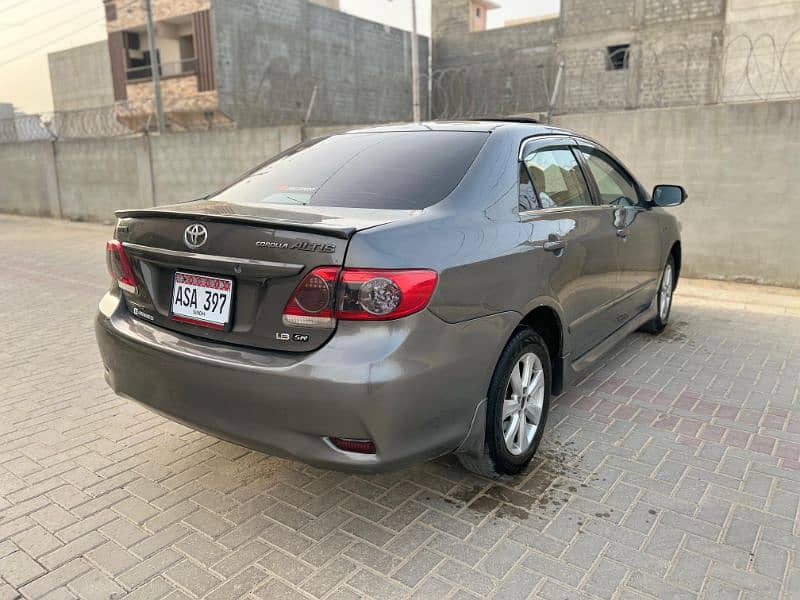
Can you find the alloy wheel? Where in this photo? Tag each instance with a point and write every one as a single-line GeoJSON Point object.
{"type": "Point", "coordinates": [665, 299]}
{"type": "Point", "coordinates": [523, 403]}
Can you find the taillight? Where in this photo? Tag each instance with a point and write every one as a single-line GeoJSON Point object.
{"type": "Point", "coordinates": [119, 266]}
{"type": "Point", "coordinates": [381, 295]}
{"type": "Point", "coordinates": [330, 293]}
{"type": "Point", "coordinates": [311, 304]}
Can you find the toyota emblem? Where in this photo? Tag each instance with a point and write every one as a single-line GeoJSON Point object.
{"type": "Point", "coordinates": [195, 236]}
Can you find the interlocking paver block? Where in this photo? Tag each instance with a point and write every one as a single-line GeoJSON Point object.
{"type": "Point", "coordinates": [286, 566]}
{"type": "Point", "coordinates": [94, 585]}
{"type": "Point", "coordinates": [192, 577]}
{"type": "Point", "coordinates": [328, 577]}
{"type": "Point", "coordinates": [418, 567]}
{"type": "Point", "coordinates": [239, 585]}
{"type": "Point", "coordinates": [18, 568]}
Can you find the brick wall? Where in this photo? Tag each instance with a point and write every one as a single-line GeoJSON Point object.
{"type": "Point", "coordinates": [590, 16]}
{"type": "Point", "coordinates": [271, 53]}
{"type": "Point", "coordinates": [362, 68]}
{"type": "Point", "coordinates": [587, 84]}
{"type": "Point", "coordinates": [132, 13]}
{"type": "Point", "coordinates": [179, 94]}
{"type": "Point", "coordinates": [80, 77]}
{"type": "Point", "coordinates": [674, 57]}
{"type": "Point", "coordinates": [261, 59]}
{"type": "Point", "coordinates": [765, 36]}
{"type": "Point", "coordinates": [449, 17]}
{"type": "Point", "coordinates": [184, 105]}
{"type": "Point", "coordinates": [673, 60]}
{"type": "Point", "coordinates": [467, 48]}
{"type": "Point", "coordinates": [671, 11]}
{"type": "Point", "coordinates": [485, 73]}
{"type": "Point", "coordinates": [679, 66]}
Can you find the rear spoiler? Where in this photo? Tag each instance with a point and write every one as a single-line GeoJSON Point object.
{"type": "Point", "coordinates": [331, 230]}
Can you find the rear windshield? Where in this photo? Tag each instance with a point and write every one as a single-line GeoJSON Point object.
{"type": "Point", "coordinates": [394, 170]}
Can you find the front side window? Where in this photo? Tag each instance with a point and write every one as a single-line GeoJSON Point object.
{"type": "Point", "coordinates": [614, 186]}
{"type": "Point", "coordinates": [557, 178]}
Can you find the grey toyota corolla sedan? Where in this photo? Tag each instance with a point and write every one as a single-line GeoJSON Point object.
{"type": "Point", "coordinates": [388, 295]}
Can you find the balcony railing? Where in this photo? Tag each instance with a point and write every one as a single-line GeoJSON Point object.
{"type": "Point", "coordinates": [186, 66]}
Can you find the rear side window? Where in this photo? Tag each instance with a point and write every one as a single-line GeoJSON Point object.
{"type": "Point", "coordinates": [392, 170]}
{"type": "Point", "coordinates": [527, 197]}
{"type": "Point", "coordinates": [557, 178]}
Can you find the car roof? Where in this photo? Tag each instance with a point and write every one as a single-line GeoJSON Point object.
{"type": "Point", "coordinates": [528, 126]}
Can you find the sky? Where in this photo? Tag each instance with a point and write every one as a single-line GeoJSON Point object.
{"type": "Point", "coordinates": [30, 29]}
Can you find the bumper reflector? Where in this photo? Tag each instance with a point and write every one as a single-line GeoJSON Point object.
{"type": "Point", "coordinates": [349, 445]}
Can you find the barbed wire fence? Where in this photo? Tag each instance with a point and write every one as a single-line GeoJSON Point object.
{"type": "Point", "coordinates": [495, 89]}
{"type": "Point", "coordinates": [655, 74]}
{"type": "Point", "coordinates": [760, 68]}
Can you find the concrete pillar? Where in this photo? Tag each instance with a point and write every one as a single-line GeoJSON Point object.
{"type": "Point", "coordinates": [144, 167]}
{"type": "Point", "coordinates": [51, 179]}
{"type": "Point", "coordinates": [290, 135]}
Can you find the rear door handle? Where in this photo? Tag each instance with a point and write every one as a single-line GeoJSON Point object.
{"type": "Point", "coordinates": [554, 245]}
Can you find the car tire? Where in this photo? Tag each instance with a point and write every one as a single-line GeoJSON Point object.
{"type": "Point", "coordinates": [666, 287]}
{"type": "Point", "coordinates": [502, 456]}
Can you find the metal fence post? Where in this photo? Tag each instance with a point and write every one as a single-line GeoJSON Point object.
{"type": "Point", "coordinates": [155, 66]}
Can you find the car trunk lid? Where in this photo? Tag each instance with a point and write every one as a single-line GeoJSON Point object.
{"type": "Point", "coordinates": [264, 251]}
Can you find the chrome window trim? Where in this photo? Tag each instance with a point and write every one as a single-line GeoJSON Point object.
{"type": "Point", "coordinates": [560, 209]}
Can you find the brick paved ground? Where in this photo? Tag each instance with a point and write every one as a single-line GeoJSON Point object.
{"type": "Point", "coordinates": [673, 471]}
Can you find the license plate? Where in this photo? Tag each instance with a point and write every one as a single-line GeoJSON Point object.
{"type": "Point", "coordinates": [202, 300]}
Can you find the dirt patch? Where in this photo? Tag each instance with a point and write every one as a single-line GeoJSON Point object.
{"type": "Point", "coordinates": [548, 483]}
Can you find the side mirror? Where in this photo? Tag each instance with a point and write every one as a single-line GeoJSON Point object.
{"type": "Point", "coordinates": [669, 195]}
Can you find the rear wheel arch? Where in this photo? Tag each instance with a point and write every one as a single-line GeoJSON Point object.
{"type": "Point", "coordinates": [546, 322]}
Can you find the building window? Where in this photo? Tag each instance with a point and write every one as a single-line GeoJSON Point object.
{"type": "Point", "coordinates": [617, 57]}
{"type": "Point", "coordinates": [478, 12]}
{"type": "Point", "coordinates": [111, 11]}
{"type": "Point", "coordinates": [132, 40]}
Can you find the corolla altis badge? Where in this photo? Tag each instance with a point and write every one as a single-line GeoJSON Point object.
{"type": "Point", "coordinates": [195, 236]}
{"type": "Point", "coordinates": [303, 245]}
{"type": "Point", "coordinates": [271, 244]}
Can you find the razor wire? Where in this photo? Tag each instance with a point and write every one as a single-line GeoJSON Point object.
{"type": "Point", "coordinates": [652, 74]}
{"type": "Point", "coordinates": [760, 68]}
{"type": "Point", "coordinates": [493, 89]}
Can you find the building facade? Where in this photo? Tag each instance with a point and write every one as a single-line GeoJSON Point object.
{"type": "Point", "coordinates": [80, 77]}
{"type": "Point", "coordinates": [479, 72]}
{"type": "Point", "coordinates": [258, 62]}
{"type": "Point", "coordinates": [274, 62]}
{"type": "Point", "coordinates": [596, 54]}
{"type": "Point", "coordinates": [639, 54]}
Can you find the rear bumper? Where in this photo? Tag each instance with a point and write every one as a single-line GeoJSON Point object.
{"type": "Point", "coordinates": [409, 385]}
